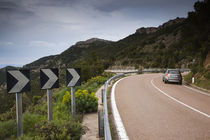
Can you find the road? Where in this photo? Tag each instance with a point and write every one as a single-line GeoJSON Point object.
{"type": "Point", "coordinates": [150, 109]}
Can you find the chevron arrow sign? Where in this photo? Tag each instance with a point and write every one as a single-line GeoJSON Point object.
{"type": "Point", "coordinates": [49, 78]}
{"type": "Point", "coordinates": [73, 77]}
{"type": "Point", "coordinates": [18, 81]}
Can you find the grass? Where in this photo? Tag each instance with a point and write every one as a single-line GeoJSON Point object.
{"type": "Point", "coordinates": [203, 83]}
{"type": "Point", "coordinates": [202, 79]}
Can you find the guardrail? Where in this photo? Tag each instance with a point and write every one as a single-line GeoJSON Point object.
{"type": "Point", "coordinates": [144, 70]}
{"type": "Point", "coordinates": [107, 133]}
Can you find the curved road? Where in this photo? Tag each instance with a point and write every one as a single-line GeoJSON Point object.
{"type": "Point", "coordinates": [152, 110]}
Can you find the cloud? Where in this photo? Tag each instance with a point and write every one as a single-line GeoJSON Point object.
{"type": "Point", "coordinates": [6, 43]}
{"type": "Point", "coordinates": [31, 29]}
{"type": "Point", "coordinates": [42, 44]}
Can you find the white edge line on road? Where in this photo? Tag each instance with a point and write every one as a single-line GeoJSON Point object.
{"type": "Point", "coordinates": [201, 92]}
{"type": "Point", "coordinates": [118, 122]}
{"type": "Point", "coordinates": [179, 101]}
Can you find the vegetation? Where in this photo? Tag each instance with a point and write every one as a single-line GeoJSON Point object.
{"type": "Point", "coordinates": [85, 102]}
{"type": "Point", "coordinates": [63, 126]}
{"type": "Point", "coordinates": [202, 78]}
{"type": "Point", "coordinates": [196, 33]}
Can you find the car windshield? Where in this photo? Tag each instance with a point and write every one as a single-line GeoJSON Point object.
{"type": "Point", "coordinates": [173, 71]}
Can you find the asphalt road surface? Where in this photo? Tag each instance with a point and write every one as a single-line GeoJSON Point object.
{"type": "Point", "coordinates": [152, 110]}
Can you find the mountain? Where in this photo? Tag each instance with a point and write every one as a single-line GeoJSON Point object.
{"type": "Point", "coordinates": [80, 51]}
{"type": "Point", "coordinates": [182, 42]}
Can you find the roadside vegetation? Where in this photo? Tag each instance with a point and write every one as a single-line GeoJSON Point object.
{"type": "Point", "coordinates": [202, 78]}
{"type": "Point", "coordinates": [197, 29]}
{"type": "Point", "coordinates": [63, 127]}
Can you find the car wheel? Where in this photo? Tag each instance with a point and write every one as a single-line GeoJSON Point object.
{"type": "Point", "coordinates": [165, 82]}
{"type": "Point", "coordinates": [180, 83]}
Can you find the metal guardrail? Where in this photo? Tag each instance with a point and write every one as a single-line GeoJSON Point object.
{"type": "Point", "coordinates": [107, 133]}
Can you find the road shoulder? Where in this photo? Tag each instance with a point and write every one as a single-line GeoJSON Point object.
{"type": "Point", "coordinates": [90, 121]}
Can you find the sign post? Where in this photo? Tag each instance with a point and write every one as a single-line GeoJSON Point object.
{"type": "Point", "coordinates": [73, 102]}
{"type": "Point", "coordinates": [49, 104]}
{"type": "Point", "coordinates": [18, 81]}
{"type": "Point", "coordinates": [49, 80]}
{"type": "Point", "coordinates": [19, 114]}
{"type": "Point", "coordinates": [73, 79]}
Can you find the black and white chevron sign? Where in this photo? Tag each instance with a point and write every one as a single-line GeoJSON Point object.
{"type": "Point", "coordinates": [18, 81]}
{"type": "Point", "coordinates": [49, 78]}
{"type": "Point", "coordinates": [73, 77]}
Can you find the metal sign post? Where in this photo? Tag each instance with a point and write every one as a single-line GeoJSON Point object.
{"type": "Point", "coordinates": [73, 102]}
{"type": "Point", "coordinates": [18, 81]}
{"type": "Point", "coordinates": [19, 114]}
{"type": "Point", "coordinates": [73, 79]}
{"type": "Point", "coordinates": [49, 104]}
{"type": "Point", "coordinates": [49, 80]}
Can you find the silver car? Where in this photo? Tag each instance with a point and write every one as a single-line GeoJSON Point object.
{"type": "Point", "coordinates": [172, 75]}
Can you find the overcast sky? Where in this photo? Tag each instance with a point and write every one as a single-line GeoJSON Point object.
{"type": "Point", "coordinates": [30, 29]}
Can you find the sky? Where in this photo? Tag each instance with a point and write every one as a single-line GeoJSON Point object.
{"type": "Point", "coordinates": [31, 29]}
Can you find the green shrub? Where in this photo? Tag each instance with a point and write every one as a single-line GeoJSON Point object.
{"type": "Point", "coordinates": [67, 98]}
{"type": "Point", "coordinates": [36, 99]}
{"type": "Point", "coordinates": [85, 102]}
{"type": "Point", "coordinates": [8, 115]}
{"type": "Point", "coordinates": [48, 130]}
{"type": "Point", "coordinates": [61, 130]}
{"type": "Point", "coordinates": [61, 111]}
{"type": "Point", "coordinates": [59, 95]}
{"type": "Point", "coordinates": [8, 129]}
{"type": "Point", "coordinates": [29, 122]}
{"type": "Point", "coordinates": [40, 109]}
{"type": "Point", "coordinates": [98, 79]}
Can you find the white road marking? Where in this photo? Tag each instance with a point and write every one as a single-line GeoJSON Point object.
{"type": "Point", "coordinates": [201, 92]}
{"type": "Point", "coordinates": [118, 122]}
{"type": "Point", "coordinates": [196, 110]}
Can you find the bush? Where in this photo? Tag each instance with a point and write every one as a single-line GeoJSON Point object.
{"type": "Point", "coordinates": [40, 109]}
{"type": "Point", "coordinates": [62, 130]}
{"type": "Point", "coordinates": [85, 102]}
{"type": "Point", "coordinates": [98, 79]}
{"type": "Point", "coordinates": [8, 129]}
{"type": "Point", "coordinates": [36, 99]}
{"type": "Point", "coordinates": [67, 98]}
{"type": "Point", "coordinates": [48, 130]}
{"type": "Point", "coordinates": [8, 115]}
{"type": "Point", "coordinates": [29, 122]}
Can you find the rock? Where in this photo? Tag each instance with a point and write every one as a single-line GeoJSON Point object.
{"type": "Point", "coordinates": [171, 22]}
{"type": "Point", "coordinates": [148, 30]}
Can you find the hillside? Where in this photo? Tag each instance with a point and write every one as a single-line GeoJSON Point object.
{"type": "Point", "coordinates": [165, 46]}
{"type": "Point", "coordinates": [182, 42]}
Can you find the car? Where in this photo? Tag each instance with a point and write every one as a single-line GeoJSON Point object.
{"type": "Point", "coordinates": [172, 76]}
